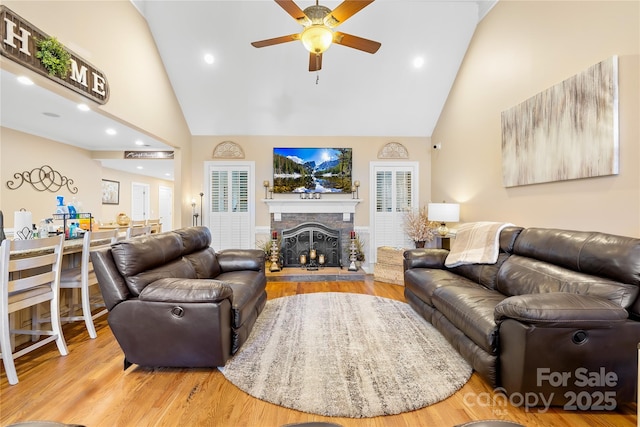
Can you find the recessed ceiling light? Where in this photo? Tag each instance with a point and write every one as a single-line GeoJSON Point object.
{"type": "Point", "coordinates": [83, 107]}
{"type": "Point", "coordinates": [111, 131]}
{"type": "Point", "coordinates": [48, 114]}
{"type": "Point", "coordinates": [167, 174]}
{"type": "Point", "coordinates": [208, 58]}
{"type": "Point", "coordinates": [418, 62]}
{"type": "Point", "coordinates": [139, 167]}
{"type": "Point", "coordinates": [25, 80]}
{"type": "Point", "coordinates": [139, 142]}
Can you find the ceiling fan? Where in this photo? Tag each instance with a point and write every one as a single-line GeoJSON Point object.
{"type": "Point", "coordinates": [318, 22]}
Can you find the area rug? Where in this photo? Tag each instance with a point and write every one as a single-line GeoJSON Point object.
{"type": "Point", "coordinates": [346, 355]}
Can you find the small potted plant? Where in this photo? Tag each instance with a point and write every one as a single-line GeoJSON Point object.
{"type": "Point", "coordinates": [418, 227]}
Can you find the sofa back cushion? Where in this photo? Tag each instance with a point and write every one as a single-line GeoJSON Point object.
{"type": "Point", "coordinates": [205, 262]}
{"type": "Point", "coordinates": [144, 259]}
{"type": "Point", "coordinates": [485, 274]}
{"type": "Point", "coordinates": [194, 239]}
{"type": "Point", "coordinates": [520, 276]}
{"type": "Point", "coordinates": [598, 254]}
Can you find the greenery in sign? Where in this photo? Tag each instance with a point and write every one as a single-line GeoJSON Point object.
{"type": "Point", "coordinates": [53, 56]}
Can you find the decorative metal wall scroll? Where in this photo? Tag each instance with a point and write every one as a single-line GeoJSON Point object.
{"type": "Point", "coordinates": [228, 150]}
{"type": "Point", "coordinates": [43, 179]}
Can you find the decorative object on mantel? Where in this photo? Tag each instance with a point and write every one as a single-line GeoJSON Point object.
{"type": "Point", "coordinates": [53, 56]}
{"type": "Point", "coordinates": [228, 150]}
{"type": "Point", "coordinates": [418, 227]}
{"type": "Point", "coordinates": [310, 196]}
{"type": "Point", "coordinates": [393, 150]}
{"type": "Point", "coordinates": [443, 213]}
{"type": "Point", "coordinates": [43, 178]}
{"type": "Point", "coordinates": [355, 190]}
{"type": "Point", "coordinates": [265, 184]}
{"type": "Point", "coordinates": [574, 134]}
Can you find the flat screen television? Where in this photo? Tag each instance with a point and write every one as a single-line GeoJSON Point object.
{"type": "Point", "coordinates": [312, 170]}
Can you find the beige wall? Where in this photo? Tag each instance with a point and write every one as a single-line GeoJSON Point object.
{"type": "Point", "coordinates": [114, 37]}
{"type": "Point", "coordinates": [260, 150]}
{"type": "Point", "coordinates": [20, 152]}
{"type": "Point", "coordinates": [518, 50]}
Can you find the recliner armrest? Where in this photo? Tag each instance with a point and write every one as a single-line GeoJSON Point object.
{"type": "Point", "coordinates": [561, 309]}
{"type": "Point", "coordinates": [240, 259]}
{"type": "Point", "coordinates": [425, 258]}
{"type": "Point", "coordinates": [186, 290]}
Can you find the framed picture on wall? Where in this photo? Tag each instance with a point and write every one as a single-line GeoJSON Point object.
{"type": "Point", "coordinates": [110, 192]}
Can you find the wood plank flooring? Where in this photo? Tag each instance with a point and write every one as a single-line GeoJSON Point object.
{"type": "Point", "coordinates": [89, 387]}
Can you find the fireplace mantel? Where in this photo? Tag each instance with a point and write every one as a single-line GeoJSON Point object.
{"type": "Point", "coordinates": [344, 206]}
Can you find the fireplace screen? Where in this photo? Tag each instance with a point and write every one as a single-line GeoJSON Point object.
{"type": "Point", "coordinates": [300, 242]}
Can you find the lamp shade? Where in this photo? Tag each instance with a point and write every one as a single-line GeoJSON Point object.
{"type": "Point", "coordinates": [444, 212]}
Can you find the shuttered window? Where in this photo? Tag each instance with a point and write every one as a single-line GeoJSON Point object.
{"type": "Point", "coordinates": [230, 219]}
{"type": "Point", "coordinates": [395, 193]}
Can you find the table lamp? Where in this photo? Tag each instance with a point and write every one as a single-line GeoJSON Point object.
{"type": "Point", "coordinates": [443, 213]}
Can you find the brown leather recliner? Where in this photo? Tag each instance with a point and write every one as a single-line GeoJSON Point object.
{"type": "Point", "coordinates": [174, 301]}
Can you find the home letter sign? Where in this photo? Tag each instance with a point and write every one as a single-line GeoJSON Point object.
{"type": "Point", "coordinates": [19, 44]}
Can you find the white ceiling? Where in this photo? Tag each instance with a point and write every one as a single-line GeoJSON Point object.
{"type": "Point", "coordinates": [268, 91]}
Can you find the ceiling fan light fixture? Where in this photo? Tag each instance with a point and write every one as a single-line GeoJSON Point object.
{"type": "Point", "coordinates": [317, 38]}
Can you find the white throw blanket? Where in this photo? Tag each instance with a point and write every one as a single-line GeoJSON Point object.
{"type": "Point", "coordinates": [476, 243]}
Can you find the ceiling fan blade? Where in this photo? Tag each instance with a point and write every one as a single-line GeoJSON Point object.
{"type": "Point", "coordinates": [356, 42]}
{"type": "Point", "coordinates": [277, 40]}
{"type": "Point", "coordinates": [315, 61]}
{"type": "Point", "coordinates": [292, 9]}
{"type": "Point", "coordinates": [344, 11]}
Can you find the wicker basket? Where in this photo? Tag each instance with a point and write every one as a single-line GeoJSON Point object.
{"type": "Point", "coordinates": [389, 267]}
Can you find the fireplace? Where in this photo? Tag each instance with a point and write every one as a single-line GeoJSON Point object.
{"type": "Point", "coordinates": [311, 245]}
{"type": "Point", "coordinates": [325, 223]}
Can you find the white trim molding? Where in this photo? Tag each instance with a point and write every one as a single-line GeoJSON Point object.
{"type": "Point", "coordinates": [344, 206]}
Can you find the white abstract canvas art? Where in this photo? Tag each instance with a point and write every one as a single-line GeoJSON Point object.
{"type": "Point", "coordinates": [568, 131]}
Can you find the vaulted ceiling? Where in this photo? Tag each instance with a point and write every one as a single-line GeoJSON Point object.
{"type": "Point", "coordinates": [398, 91]}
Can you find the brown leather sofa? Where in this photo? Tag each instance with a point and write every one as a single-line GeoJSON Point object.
{"type": "Point", "coordinates": [553, 322]}
{"type": "Point", "coordinates": [174, 301]}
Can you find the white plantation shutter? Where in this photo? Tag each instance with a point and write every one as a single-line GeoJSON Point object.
{"type": "Point", "coordinates": [394, 195]}
{"type": "Point", "coordinates": [229, 215]}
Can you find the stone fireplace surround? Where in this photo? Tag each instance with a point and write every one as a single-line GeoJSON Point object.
{"type": "Point", "coordinates": [336, 214]}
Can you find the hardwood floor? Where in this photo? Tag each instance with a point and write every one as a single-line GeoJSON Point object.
{"type": "Point", "coordinates": [89, 387]}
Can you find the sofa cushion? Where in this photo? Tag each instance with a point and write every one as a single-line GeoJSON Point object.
{"type": "Point", "coordinates": [205, 262]}
{"type": "Point", "coordinates": [471, 309]}
{"type": "Point", "coordinates": [180, 268]}
{"type": "Point", "coordinates": [424, 281]}
{"type": "Point", "coordinates": [520, 275]}
{"type": "Point", "coordinates": [186, 290]}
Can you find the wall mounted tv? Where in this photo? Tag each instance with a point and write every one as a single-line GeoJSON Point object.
{"type": "Point", "coordinates": [312, 170]}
